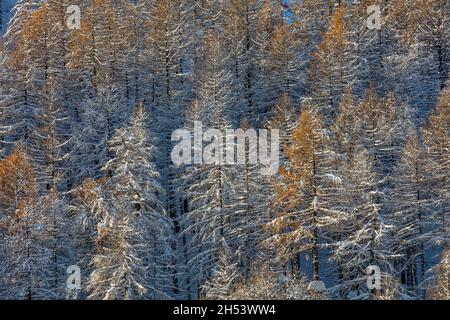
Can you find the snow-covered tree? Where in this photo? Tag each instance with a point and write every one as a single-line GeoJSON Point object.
{"type": "Point", "coordinates": [284, 118]}
{"type": "Point", "coordinates": [239, 30]}
{"type": "Point", "coordinates": [304, 199]}
{"type": "Point", "coordinates": [29, 270]}
{"type": "Point", "coordinates": [383, 122]}
{"type": "Point", "coordinates": [420, 51]}
{"type": "Point", "coordinates": [224, 276]}
{"type": "Point", "coordinates": [439, 289]}
{"type": "Point", "coordinates": [408, 205]}
{"type": "Point", "coordinates": [364, 232]}
{"type": "Point", "coordinates": [85, 180]}
{"type": "Point", "coordinates": [436, 139]}
{"type": "Point", "coordinates": [167, 59]}
{"type": "Point", "coordinates": [253, 195]}
{"type": "Point", "coordinates": [266, 21]}
{"type": "Point", "coordinates": [212, 204]}
{"type": "Point", "coordinates": [265, 283]}
{"type": "Point", "coordinates": [332, 69]}
{"type": "Point", "coordinates": [285, 62]}
{"type": "Point", "coordinates": [100, 117]}
{"type": "Point", "coordinates": [132, 228]}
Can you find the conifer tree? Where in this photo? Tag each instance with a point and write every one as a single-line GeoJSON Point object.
{"type": "Point", "coordinates": [331, 71]}
{"type": "Point", "coordinates": [285, 62]}
{"type": "Point", "coordinates": [347, 128]}
{"type": "Point", "coordinates": [364, 235]}
{"type": "Point", "coordinates": [284, 118]}
{"type": "Point", "coordinates": [211, 194]}
{"type": "Point", "coordinates": [87, 180]}
{"type": "Point", "coordinates": [29, 255]}
{"type": "Point", "coordinates": [239, 32]}
{"type": "Point", "coordinates": [303, 199]}
{"type": "Point", "coordinates": [436, 139]}
{"type": "Point", "coordinates": [224, 276]}
{"type": "Point", "coordinates": [265, 283]}
{"type": "Point", "coordinates": [439, 290]}
{"type": "Point", "coordinates": [168, 44]}
{"type": "Point", "coordinates": [408, 213]}
{"type": "Point", "coordinates": [133, 224]}
{"type": "Point", "coordinates": [100, 116]}
{"type": "Point", "coordinates": [421, 52]}
{"type": "Point", "coordinates": [252, 199]}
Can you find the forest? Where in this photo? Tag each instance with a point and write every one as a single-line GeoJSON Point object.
{"type": "Point", "coordinates": [92, 205]}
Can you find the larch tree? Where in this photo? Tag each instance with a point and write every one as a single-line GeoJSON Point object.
{"type": "Point", "coordinates": [21, 101]}
{"type": "Point", "coordinates": [239, 32]}
{"type": "Point", "coordinates": [55, 215]}
{"type": "Point", "coordinates": [133, 226]}
{"type": "Point", "coordinates": [436, 138]}
{"type": "Point", "coordinates": [267, 283]}
{"type": "Point", "coordinates": [364, 232]}
{"type": "Point", "coordinates": [383, 119]}
{"type": "Point", "coordinates": [100, 116]}
{"type": "Point", "coordinates": [38, 51]}
{"type": "Point", "coordinates": [88, 210]}
{"type": "Point", "coordinates": [286, 62]}
{"type": "Point", "coordinates": [439, 289]}
{"type": "Point", "coordinates": [303, 194]}
{"type": "Point", "coordinates": [346, 128]}
{"type": "Point", "coordinates": [253, 194]}
{"type": "Point", "coordinates": [315, 15]}
{"type": "Point", "coordinates": [211, 195]}
{"type": "Point", "coordinates": [408, 214]}
{"type": "Point", "coordinates": [97, 49]}
{"type": "Point", "coordinates": [413, 34]}
{"type": "Point", "coordinates": [49, 142]}
{"type": "Point", "coordinates": [265, 24]}
{"type": "Point", "coordinates": [373, 30]}
{"type": "Point", "coordinates": [224, 276]}
{"type": "Point", "coordinates": [284, 118]}
{"type": "Point", "coordinates": [87, 180]}
{"type": "Point", "coordinates": [168, 43]}
{"type": "Point", "coordinates": [332, 68]}
{"type": "Point", "coordinates": [29, 253]}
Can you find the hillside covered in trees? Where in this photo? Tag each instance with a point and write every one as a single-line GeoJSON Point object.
{"type": "Point", "coordinates": [87, 181]}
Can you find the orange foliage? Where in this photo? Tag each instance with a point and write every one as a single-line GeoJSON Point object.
{"type": "Point", "coordinates": [17, 179]}
{"type": "Point", "coordinates": [440, 289]}
{"type": "Point", "coordinates": [79, 43]}
{"type": "Point", "coordinates": [297, 184]}
{"type": "Point", "coordinates": [437, 132]}
{"type": "Point", "coordinates": [334, 40]}
{"type": "Point", "coordinates": [299, 155]}
{"type": "Point", "coordinates": [279, 43]}
{"type": "Point", "coordinates": [33, 36]}
{"type": "Point", "coordinates": [263, 21]}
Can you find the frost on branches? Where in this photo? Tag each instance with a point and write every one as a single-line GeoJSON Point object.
{"type": "Point", "coordinates": [87, 178]}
